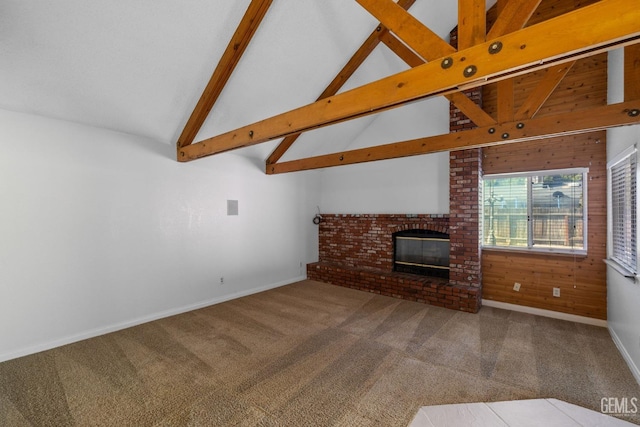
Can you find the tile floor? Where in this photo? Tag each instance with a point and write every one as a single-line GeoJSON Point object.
{"type": "Point", "coordinates": [520, 413]}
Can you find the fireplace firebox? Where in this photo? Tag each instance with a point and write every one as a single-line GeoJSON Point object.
{"type": "Point", "coordinates": [421, 252]}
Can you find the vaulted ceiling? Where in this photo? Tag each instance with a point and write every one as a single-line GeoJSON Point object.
{"type": "Point", "coordinates": [142, 67]}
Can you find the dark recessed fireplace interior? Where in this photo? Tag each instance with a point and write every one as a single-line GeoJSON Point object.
{"type": "Point", "coordinates": [421, 252]}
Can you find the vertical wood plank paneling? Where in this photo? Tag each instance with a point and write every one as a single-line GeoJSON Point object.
{"type": "Point", "coordinates": [581, 279]}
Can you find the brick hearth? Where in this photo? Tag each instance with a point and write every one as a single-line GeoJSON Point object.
{"type": "Point", "coordinates": [429, 290]}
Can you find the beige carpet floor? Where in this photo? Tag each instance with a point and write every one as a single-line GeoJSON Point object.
{"type": "Point", "coordinates": [311, 354]}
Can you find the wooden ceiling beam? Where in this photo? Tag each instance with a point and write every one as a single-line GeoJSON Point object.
{"type": "Point", "coordinates": [472, 23]}
{"type": "Point", "coordinates": [414, 33]}
{"type": "Point", "coordinates": [347, 71]}
{"type": "Point", "coordinates": [513, 15]}
{"type": "Point", "coordinates": [592, 29]}
{"type": "Point", "coordinates": [230, 58]}
{"type": "Point", "coordinates": [575, 122]}
{"type": "Point", "coordinates": [401, 50]}
{"type": "Point", "coordinates": [506, 94]}
{"type": "Point", "coordinates": [543, 90]}
{"type": "Point", "coordinates": [469, 108]}
{"type": "Point", "coordinates": [336, 84]}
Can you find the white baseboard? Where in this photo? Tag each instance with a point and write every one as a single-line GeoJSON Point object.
{"type": "Point", "coordinates": [625, 355]}
{"type": "Point", "coordinates": [545, 313]}
{"type": "Point", "coordinates": [138, 321]}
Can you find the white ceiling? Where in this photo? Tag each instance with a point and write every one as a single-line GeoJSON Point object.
{"type": "Point", "coordinates": [139, 66]}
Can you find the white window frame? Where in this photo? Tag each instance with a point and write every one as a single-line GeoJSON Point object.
{"type": "Point", "coordinates": [628, 271]}
{"type": "Point", "coordinates": [530, 246]}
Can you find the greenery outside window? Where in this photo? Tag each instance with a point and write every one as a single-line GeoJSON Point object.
{"type": "Point", "coordinates": [536, 211]}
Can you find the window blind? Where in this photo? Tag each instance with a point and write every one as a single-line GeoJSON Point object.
{"type": "Point", "coordinates": [624, 212]}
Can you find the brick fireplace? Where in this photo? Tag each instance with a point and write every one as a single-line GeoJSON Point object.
{"type": "Point", "coordinates": [366, 240]}
{"type": "Point", "coordinates": [356, 251]}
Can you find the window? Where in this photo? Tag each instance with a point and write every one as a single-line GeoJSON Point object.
{"type": "Point", "coordinates": [623, 247]}
{"type": "Point", "coordinates": [540, 210]}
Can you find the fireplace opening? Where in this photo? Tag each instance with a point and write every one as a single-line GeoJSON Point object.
{"type": "Point", "coordinates": [421, 252]}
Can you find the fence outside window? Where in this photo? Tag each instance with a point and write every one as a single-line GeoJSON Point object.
{"type": "Point", "coordinates": [541, 210]}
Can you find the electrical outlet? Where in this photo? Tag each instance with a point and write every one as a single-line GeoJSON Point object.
{"type": "Point", "coordinates": [556, 292]}
{"type": "Point", "coordinates": [221, 280]}
{"type": "Point", "coordinates": [516, 287]}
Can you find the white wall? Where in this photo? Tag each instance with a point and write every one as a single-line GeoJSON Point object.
{"type": "Point", "coordinates": [623, 295]}
{"type": "Point", "coordinates": [418, 184]}
{"type": "Point", "coordinates": [100, 230]}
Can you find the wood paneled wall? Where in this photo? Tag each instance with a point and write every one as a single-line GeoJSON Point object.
{"type": "Point", "coordinates": [581, 279]}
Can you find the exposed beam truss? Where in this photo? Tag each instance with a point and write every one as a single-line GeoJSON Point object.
{"type": "Point", "coordinates": [581, 33]}
{"type": "Point", "coordinates": [512, 16]}
{"type": "Point", "coordinates": [378, 34]}
{"type": "Point", "coordinates": [459, 99]}
{"type": "Point", "coordinates": [572, 123]}
{"type": "Point", "coordinates": [413, 32]}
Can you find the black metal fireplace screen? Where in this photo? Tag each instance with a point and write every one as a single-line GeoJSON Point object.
{"type": "Point", "coordinates": [422, 252]}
